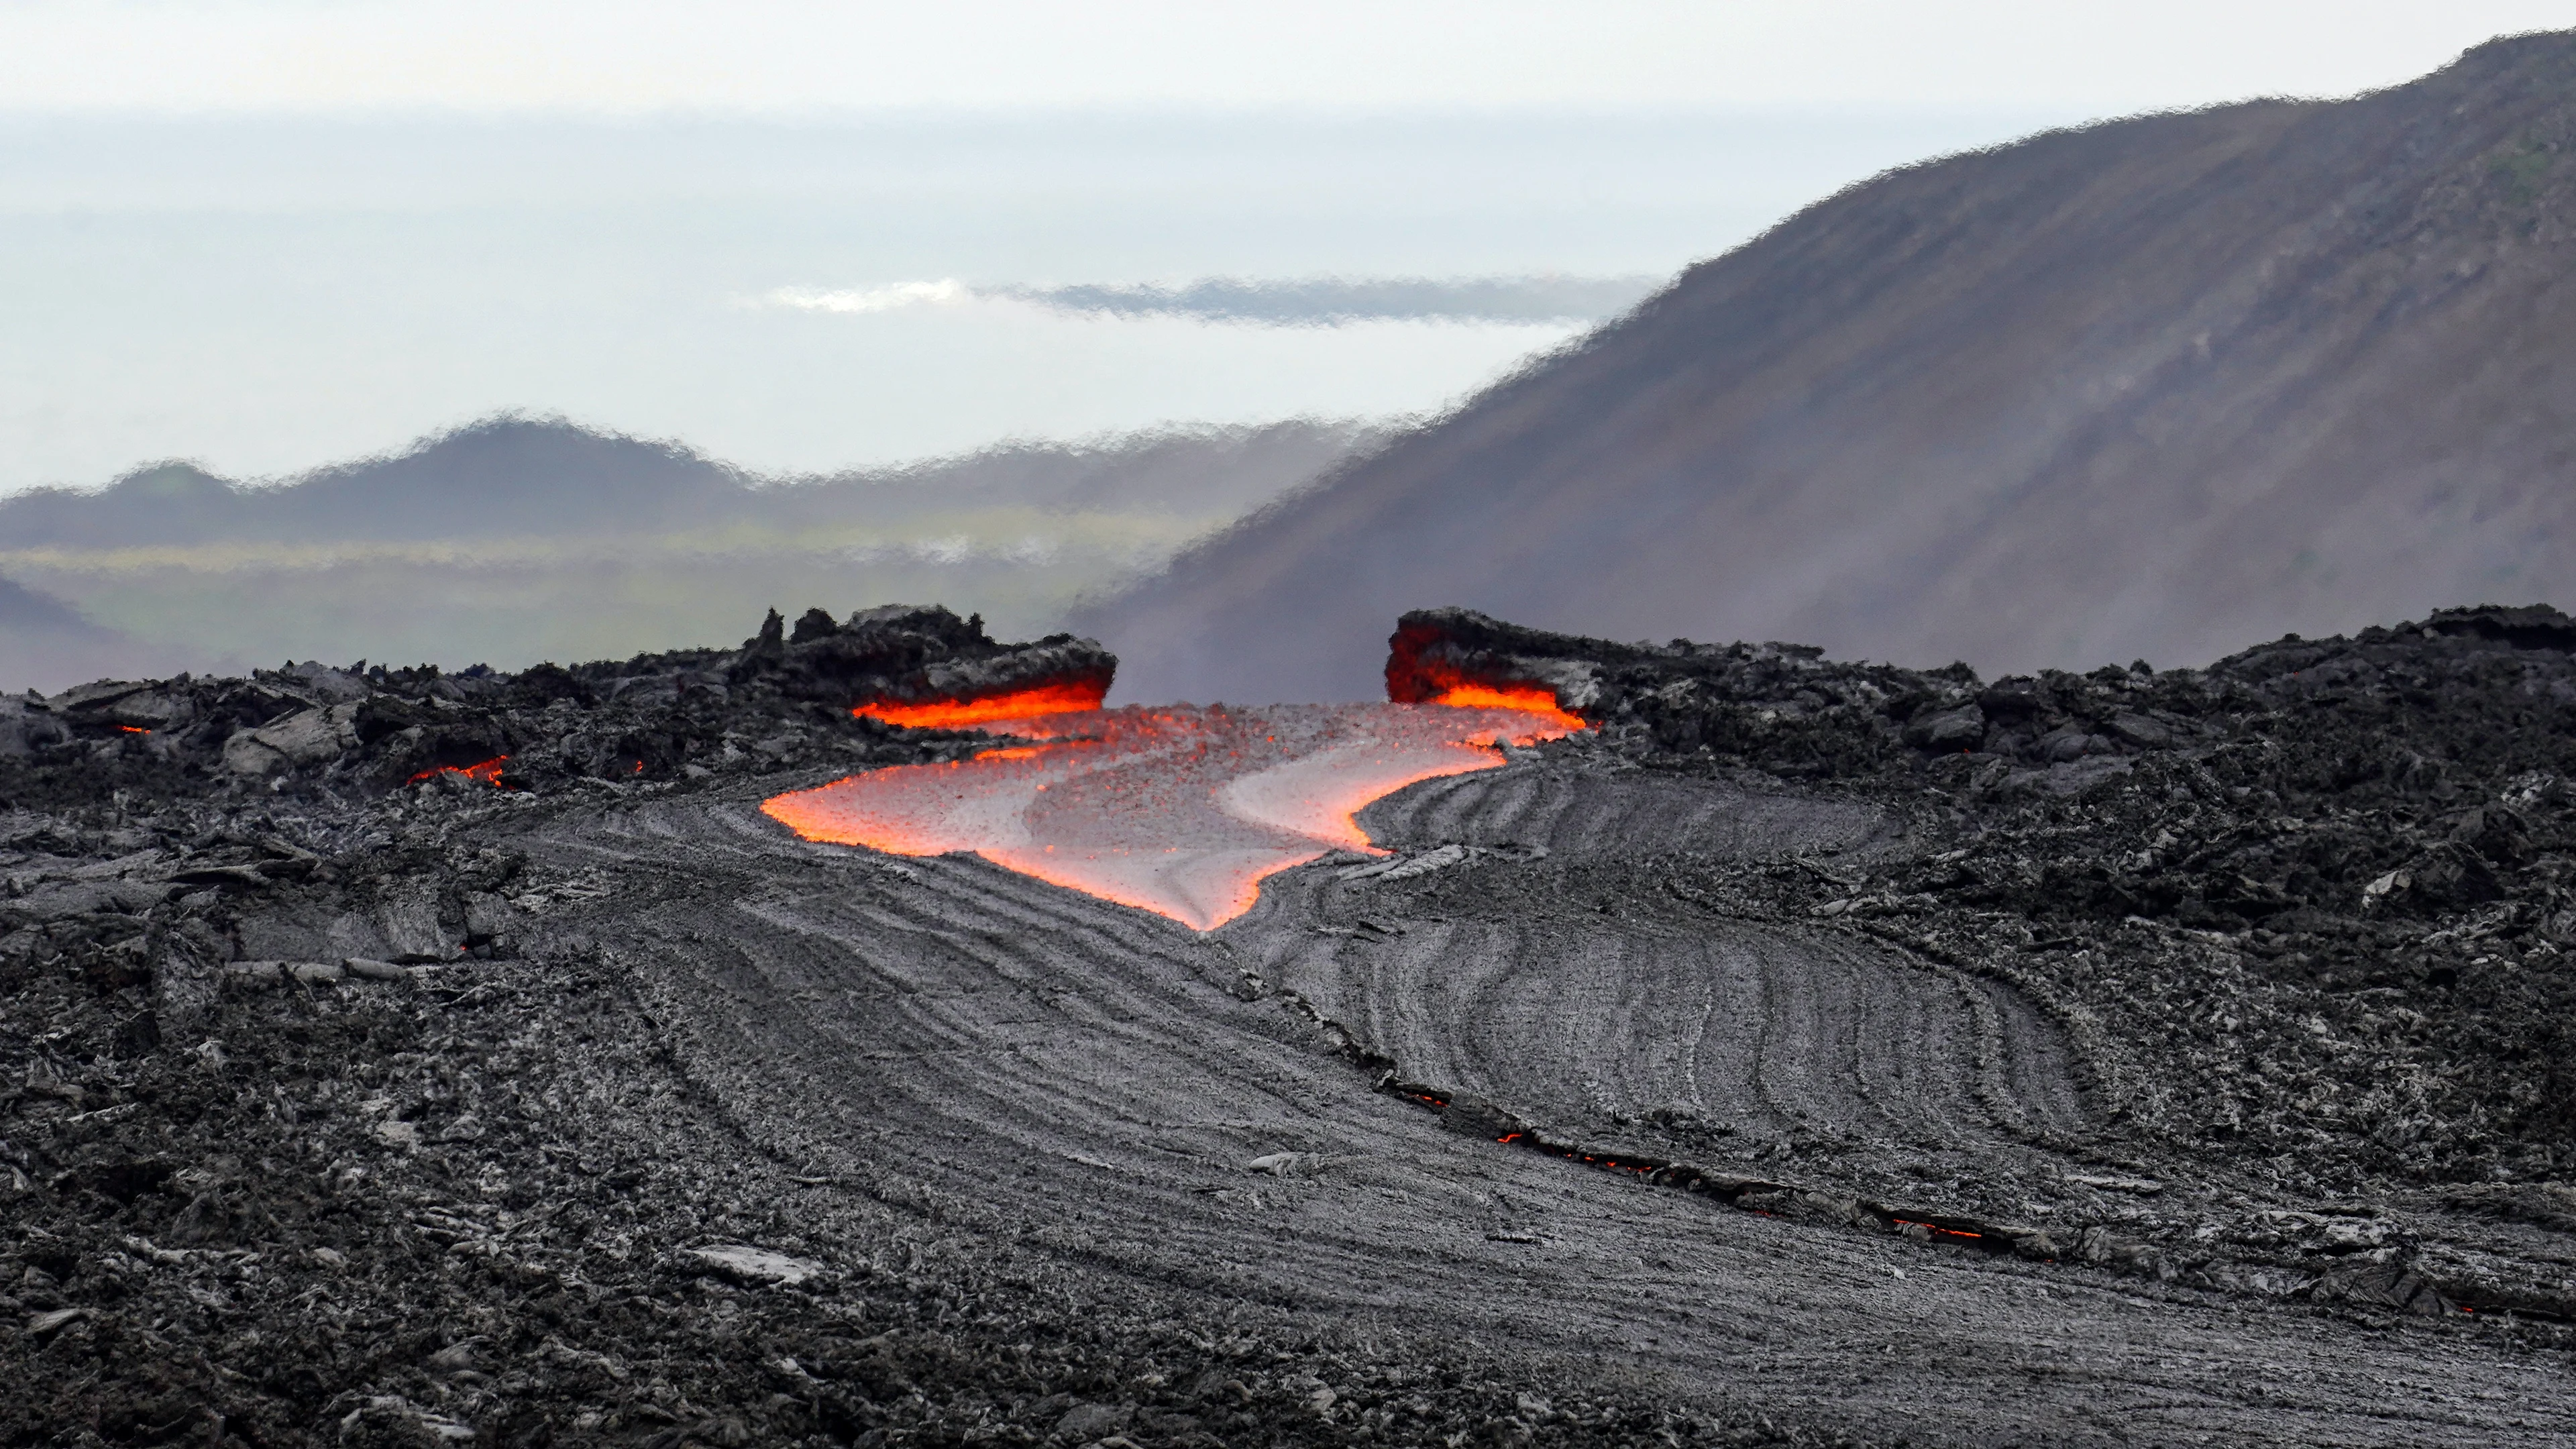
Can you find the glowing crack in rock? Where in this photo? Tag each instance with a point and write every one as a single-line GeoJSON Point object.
{"type": "Point", "coordinates": [1529, 698]}
{"type": "Point", "coordinates": [962, 713]}
{"type": "Point", "coordinates": [1179, 810]}
{"type": "Point", "coordinates": [487, 773]}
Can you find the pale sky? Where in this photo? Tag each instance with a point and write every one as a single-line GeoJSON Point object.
{"type": "Point", "coordinates": [773, 55]}
{"type": "Point", "coordinates": [270, 235]}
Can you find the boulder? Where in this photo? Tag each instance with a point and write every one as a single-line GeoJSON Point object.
{"type": "Point", "coordinates": [1434, 651]}
{"type": "Point", "coordinates": [1947, 730]}
{"type": "Point", "coordinates": [307, 737]}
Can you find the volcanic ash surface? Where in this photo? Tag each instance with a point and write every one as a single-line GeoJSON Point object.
{"type": "Point", "coordinates": [1177, 809]}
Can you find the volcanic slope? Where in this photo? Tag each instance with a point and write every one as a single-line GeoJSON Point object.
{"type": "Point", "coordinates": [2143, 389]}
{"type": "Point", "coordinates": [1103, 1089]}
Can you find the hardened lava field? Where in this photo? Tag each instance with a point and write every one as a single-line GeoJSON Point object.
{"type": "Point", "coordinates": [1799, 1051]}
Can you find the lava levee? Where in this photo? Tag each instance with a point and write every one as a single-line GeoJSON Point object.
{"type": "Point", "coordinates": [1176, 809]}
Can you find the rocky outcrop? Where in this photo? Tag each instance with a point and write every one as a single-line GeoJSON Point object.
{"type": "Point", "coordinates": [913, 654]}
{"type": "Point", "coordinates": [2399, 708]}
{"type": "Point", "coordinates": [2340, 864]}
{"type": "Point", "coordinates": [780, 699]}
{"type": "Point", "coordinates": [1434, 651]}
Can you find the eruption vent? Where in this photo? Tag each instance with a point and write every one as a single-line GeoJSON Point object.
{"type": "Point", "coordinates": [1179, 810]}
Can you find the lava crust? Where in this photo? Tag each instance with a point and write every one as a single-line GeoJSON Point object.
{"type": "Point", "coordinates": [1807, 1053]}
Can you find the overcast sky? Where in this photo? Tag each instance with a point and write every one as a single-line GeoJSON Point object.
{"type": "Point", "coordinates": [268, 235]}
{"type": "Point", "coordinates": [764, 55]}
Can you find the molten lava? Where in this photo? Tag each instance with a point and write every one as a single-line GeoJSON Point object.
{"type": "Point", "coordinates": [1044, 699]}
{"type": "Point", "coordinates": [1180, 810]}
{"type": "Point", "coordinates": [1528, 698]}
{"type": "Point", "coordinates": [486, 772]}
{"type": "Point", "coordinates": [1453, 657]}
{"type": "Point", "coordinates": [1413, 678]}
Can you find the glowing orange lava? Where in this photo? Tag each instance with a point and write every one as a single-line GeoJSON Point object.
{"type": "Point", "coordinates": [1045, 699]}
{"type": "Point", "coordinates": [1411, 677]}
{"type": "Point", "coordinates": [1179, 810]}
{"type": "Point", "coordinates": [487, 772]}
{"type": "Point", "coordinates": [1527, 698]}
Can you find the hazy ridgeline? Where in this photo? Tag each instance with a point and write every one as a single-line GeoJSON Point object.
{"type": "Point", "coordinates": [514, 541]}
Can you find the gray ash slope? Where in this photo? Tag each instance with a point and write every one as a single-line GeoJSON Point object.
{"type": "Point", "coordinates": [2040, 1060]}
{"type": "Point", "coordinates": [2150, 387]}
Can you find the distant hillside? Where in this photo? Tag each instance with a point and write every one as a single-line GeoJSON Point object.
{"type": "Point", "coordinates": [514, 540]}
{"type": "Point", "coordinates": [2146, 389]}
{"type": "Point", "coordinates": [513, 477]}
{"type": "Point", "coordinates": [44, 641]}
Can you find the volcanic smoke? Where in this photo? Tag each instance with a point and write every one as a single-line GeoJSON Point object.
{"type": "Point", "coordinates": [1180, 810]}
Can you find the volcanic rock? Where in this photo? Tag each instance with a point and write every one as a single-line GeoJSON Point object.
{"type": "Point", "coordinates": [1434, 650]}
{"type": "Point", "coordinates": [756, 1265]}
{"type": "Point", "coordinates": [1094, 1421]}
{"type": "Point", "coordinates": [1767, 1035]}
{"type": "Point", "coordinates": [307, 726]}
{"type": "Point", "coordinates": [308, 737]}
{"type": "Point", "coordinates": [912, 654]}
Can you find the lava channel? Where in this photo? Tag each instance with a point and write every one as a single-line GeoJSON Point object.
{"type": "Point", "coordinates": [1179, 810]}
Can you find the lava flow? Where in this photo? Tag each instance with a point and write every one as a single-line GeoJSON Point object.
{"type": "Point", "coordinates": [1179, 810]}
{"type": "Point", "coordinates": [486, 772]}
{"type": "Point", "coordinates": [1528, 698]}
{"type": "Point", "coordinates": [1416, 672]}
{"type": "Point", "coordinates": [1045, 699]}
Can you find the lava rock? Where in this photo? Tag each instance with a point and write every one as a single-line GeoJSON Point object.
{"type": "Point", "coordinates": [777, 702]}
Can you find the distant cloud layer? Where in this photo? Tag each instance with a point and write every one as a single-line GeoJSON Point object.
{"type": "Point", "coordinates": [502, 57]}
{"type": "Point", "coordinates": [1305, 302]}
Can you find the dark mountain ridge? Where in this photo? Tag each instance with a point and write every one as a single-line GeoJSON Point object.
{"type": "Point", "coordinates": [2141, 388]}
{"type": "Point", "coordinates": [512, 476]}
{"type": "Point", "coordinates": [519, 539]}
